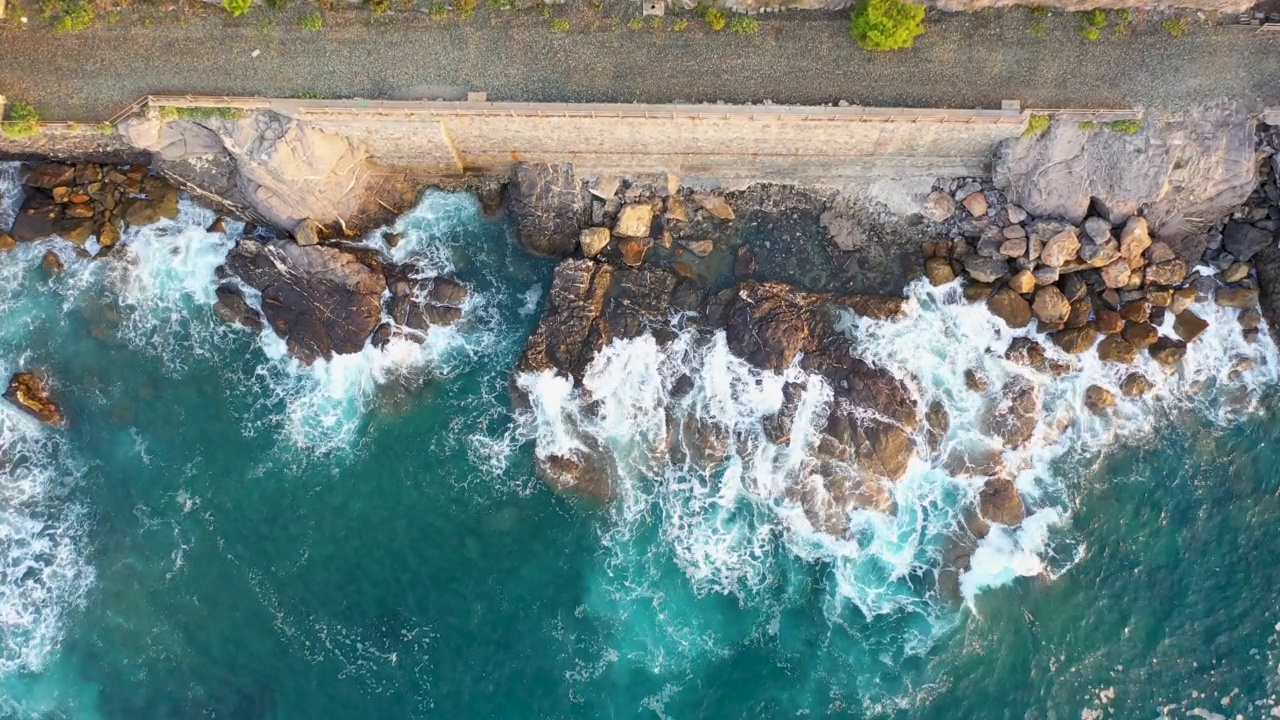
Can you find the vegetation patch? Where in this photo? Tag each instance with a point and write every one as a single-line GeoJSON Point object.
{"type": "Point", "coordinates": [559, 25]}
{"type": "Point", "coordinates": [438, 11]}
{"type": "Point", "coordinates": [312, 21]}
{"type": "Point", "coordinates": [1124, 127]}
{"type": "Point", "coordinates": [168, 112]}
{"type": "Point", "coordinates": [744, 25]}
{"type": "Point", "coordinates": [1174, 27]}
{"type": "Point", "coordinates": [237, 8]}
{"type": "Point", "coordinates": [636, 23]}
{"type": "Point", "coordinates": [68, 15]}
{"type": "Point", "coordinates": [23, 120]}
{"type": "Point", "coordinates": [886, 24]}
{"type": "Point", "coordinates": [379, 7]}
{"type": "Point", "coordinates": [1088, 125]}
{"type": "Point", "coordinates": [1036, 124]}
{"type": "Point", "coordinates": [467, 8]}
{"type": "Point", "coordinates": [1092, 24]}
{"type": "Point", "coordinates": [716, 18]}
{"type": "Point", "coordinates": [1038, 28]}
{"type": "Point", "coordinates": [681, 25]}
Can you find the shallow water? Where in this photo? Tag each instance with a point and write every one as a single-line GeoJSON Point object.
{"type": "Point", "coordinates": [221, 533]}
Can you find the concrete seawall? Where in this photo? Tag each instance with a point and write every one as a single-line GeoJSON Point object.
{"type": "Point", "coordinates": [725, 144]}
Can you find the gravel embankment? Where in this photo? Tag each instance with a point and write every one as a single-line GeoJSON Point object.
{"type": "Point", "coordinates": [963, 61]}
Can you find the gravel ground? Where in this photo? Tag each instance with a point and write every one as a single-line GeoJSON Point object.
{"type": "Point", "coordinates": [963, 61]}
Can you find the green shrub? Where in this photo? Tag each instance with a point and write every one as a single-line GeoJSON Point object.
{"type": "Point", "coordinates": [1124, 127]}
{"type": "Point", "coordinates": [309, 95]}
{"type": "Point", "coordinates": [744, 25]}
{"type": "Point", "coordinates": [312, 21]}
{"type": "Point", "coordinates": [636, 23]}
{"type": "Point", "coordinates": [716, 18]}
{"type": "Point", "coordinates": [559, 25]}
{"type": "Point", "coordinates": [23, 120]}
{"type": "Point", "coordinates": [1094, 18]}
{"type": "Point", "coordinates": [277, 5]}
{"type": "Point", "coordinates": [74, 16]}
{"type": "Point", "coordinates": [1040, 11]}
{"type": "Point", "coordinates": [681, 25]}
{"type": "Point", "coordinates": [467, 8]}
{"type": "Point", "coordinates": [1038, 29]}
{"type": "Point", "coordinates": [886, 24]}
{"type": "Point", "coordinates": [1174, 27]}
{"type": "Point", "coordinates": [105, 128]}
{"type": "Point", "coordinates": [1090, 33]}
{"type": "Point", "coordinates": [438, 11]}
{"type": "Point", "coordinates": [168, 112]}
{"type": "Point", "coordinates": [1036, 124]}
{"type": "Point", "coordinates": [379, 7]}
{"type": "Point", "coordinates": [237, 8]}
{"type": "Point", "coordinates": [546, 10]}
{"type": "Point", "coordinates": [656, 24]}
{"type": "Point", "coordinates": [1088, 125]}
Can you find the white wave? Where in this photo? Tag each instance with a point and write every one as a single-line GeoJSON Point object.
{"type": "Point", "coordinates": [727, 523]}
{"type": "Point", "coordinates": [43, 574]}
{"type": "Point", "coordinates": [165, 278]}
{"type": "Point", "coordinates": [10, 193]}
{"type": "Point", "coordinates": [943, 336]}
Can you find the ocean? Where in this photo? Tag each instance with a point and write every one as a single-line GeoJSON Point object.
{"type": "Point", "coordinates": [221, 532]}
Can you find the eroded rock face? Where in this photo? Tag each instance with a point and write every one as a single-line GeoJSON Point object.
{"type": "Point", "coordinates": [29, 391]}
{"type": "Point", "coordinates": [269, 166]}
{"type": "Point", "coordinates": [321, 300]}
{"type": "Point", "coordinates": [549, 206]}
{"type": "Point", "coordinates": [870, 421]}
{"type": "Point", "coordinates": [1182, 170]}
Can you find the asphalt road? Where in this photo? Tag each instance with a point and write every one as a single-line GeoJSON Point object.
{"type": "Point", "coordinates": [963, 61]}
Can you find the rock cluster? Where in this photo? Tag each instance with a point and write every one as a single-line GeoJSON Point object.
{"type": "Point", "coordinates": [638, 265]}
{"type": "Point", "coordinates": [29, 391]}
{"type": "Point", "coordinates": [87, 200]}
{"type": "Point", "coordinates": [1249, 228]}
{"type": "Point", "coordinates": [1098, 285]}
{"type": "Point", "coordinates": [327, 300]}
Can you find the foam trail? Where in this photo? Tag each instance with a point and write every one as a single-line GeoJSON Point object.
{"type": "Point", "coordinates": [730, 517]}
{"type": "Point", "coordinates": [165, 278]}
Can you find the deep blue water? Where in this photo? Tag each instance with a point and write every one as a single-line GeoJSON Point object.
{"type": "Point", "coordinates": [218, 533]}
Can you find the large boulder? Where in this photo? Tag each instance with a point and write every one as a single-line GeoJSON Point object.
{"type": "Point", "coordinates": [29, 391]}
{"type": "Point", "coordinates": [1267, 264]}
{"type": "Point", "coordinates": [1181, 169]}
{"type": "Point", "coordinates": [321, 299]}
{"type": "Point", "coordinates": [1016, 414]}
{"type": "Point", "coordinates": [549, 206]}
{"type": "Point", "coordinates": [268, 166]}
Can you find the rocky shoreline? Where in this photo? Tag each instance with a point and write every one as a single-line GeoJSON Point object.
{"type": "Point", "coordinates": [775, 269]}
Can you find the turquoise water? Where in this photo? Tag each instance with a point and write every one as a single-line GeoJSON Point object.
{"type": "Point", "coordinates": [219, 533]}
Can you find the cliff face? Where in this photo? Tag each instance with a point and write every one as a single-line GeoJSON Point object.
{"type": "Point", "coordinates": [1183, 172]}
{"type": "Point", "coordinates": [278, 169]}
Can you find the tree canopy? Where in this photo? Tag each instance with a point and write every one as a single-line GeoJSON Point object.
{"type": "Point", "coordinates": [886, 24]}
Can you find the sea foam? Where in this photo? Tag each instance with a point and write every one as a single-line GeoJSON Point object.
{"type": "Point", "coordinates": [733, 526]}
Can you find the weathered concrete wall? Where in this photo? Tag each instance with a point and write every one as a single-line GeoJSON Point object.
{"type": "Point", "coordinates": [711, 144]}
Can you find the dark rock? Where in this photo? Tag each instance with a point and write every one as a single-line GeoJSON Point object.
{"type": "Point", "coordinates": [1189, 326]}
{"type": "Point", "coordinates": [51, 175]}
{"type": "Point", "coordinates": [937, 423]}
{"type": "Point", "coordinates": [1237, 297]}
{"type": "Point", "coordinates": [999, 501]}
{"type": "Point", "coordinates": [1244, 241]}
{"type": "Point", "coordinates": [1115, 348]}
{"type": "Point", "coordinates": [1109, 322]}
{"type": "Point", "coordinates": [1050, 305]}
{"type": "Point", "coordinates": [1140, 335]}
{"type": "Point", "coordinates": [978, 291]}
{"type": "Point", "coordinates": [36, 218]}
{"type": "Point", "coordinates": [1267, 264]}
{"type": "Point", "coordinates": [1135, 384]}
{"type": "Point", "coordinates": [1136, 311]}
{"type": "Point", "coordinates": [232, 308]}
{"type": "Point", "coordinates": [1168, 351]}
{"type": "Point", "coordinates": [1015, 416]}
{"type": "Point", "coordinates": [1081, 312]}
{"type": "Point", "coordinates": [29, 392]}
{"type": "Point", "coordinates": [549, 206]}
{"type": "Point", "coordinates": [1073, 286]}
{"type": "Point", "coordinates": [976, 380]}
{"type": "Point", "coordinates": [1171, 272]}
{"type": "Point", "coordinates": [1010, 307]}
{"type": "Point", "coordinates": [219, 225]}
{"type": "Point", "coordinates": [985, 269]}
{"type": "Point", "coordinates": [1098, 399]}
{"type": "Point", "coordinates": [939, 271]}
{"type": "Point", "coordinates": [1076, 340]}
{"type": "Point", "coordinates": [52, 263]}
{"type": "Point", "coordinates": [321, 299]}
{"type": "Point", "coordinates": [1029, 353]}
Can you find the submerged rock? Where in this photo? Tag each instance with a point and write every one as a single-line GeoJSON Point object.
{"type": "Point", "coordinates": [29, 391]}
